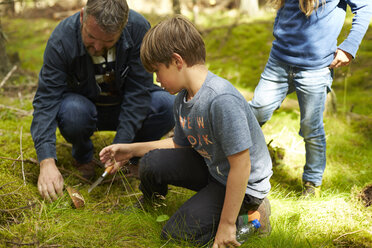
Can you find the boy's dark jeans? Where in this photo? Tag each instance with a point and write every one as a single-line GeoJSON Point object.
{"type": "Point", "coordinates": [198, 218]}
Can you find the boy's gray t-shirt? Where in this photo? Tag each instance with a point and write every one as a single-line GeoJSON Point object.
{"type": "Point", "coordinates": [218, 122]}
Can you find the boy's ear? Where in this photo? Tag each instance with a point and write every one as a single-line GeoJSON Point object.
{"type": "Point", "coordinates": [178, 61]}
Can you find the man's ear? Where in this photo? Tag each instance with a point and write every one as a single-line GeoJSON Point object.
{"type": "Point", "coordinates": [177, 60]}
{"type": "Point", "coordinates": [81, 15]}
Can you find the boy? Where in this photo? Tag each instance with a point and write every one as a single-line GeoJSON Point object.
{"type": "Point", "coordinates": [218, 148]}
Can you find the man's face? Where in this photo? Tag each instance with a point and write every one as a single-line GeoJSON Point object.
{"type": "Point", "coordinates": [96, 40]}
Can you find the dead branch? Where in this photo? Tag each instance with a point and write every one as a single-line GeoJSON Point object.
{"type": "Point", "coordinates": [29, 87]}
{"type": "Point", "coordinates": [343, 235]}
{"type": "Point", "coordinates": [177, 192]}
{"type": "Point", "coordinates": [65, 144]}
{"type": "Point", "coordinates": [22, 244]}
{"type": "Point", "coordinates": [20, 97]}
{"type": "Point", "coordinates": [13, 192]}
{"type": "Point", "coordinates": [113, 206]}
{"type": "Point", "coordinates": [13, 164]}
{"type": "Point", "coordinates": [112, 181]}
{"type": "Point", "coordinates": [20, 147]}
{"type": "Point", "coordinates": [15, 209]}
{"type": "Point", "coordinates": [21, 112]}
{"type": "Point", "coordinates": [8, 76]}
{"type": "Point", "coordinates": [29, 160]}
{"type": "Point", "coordinates": [76, 175]}
{"type": "Point", "coordinates": [43, 246]}
{"type": "Point", "coordinates": [130, 195]}
{"type": "Point", "coordinates": [2, 186]}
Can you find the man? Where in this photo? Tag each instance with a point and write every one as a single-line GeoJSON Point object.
{"type": "Point", "coordinates": [92, 79]}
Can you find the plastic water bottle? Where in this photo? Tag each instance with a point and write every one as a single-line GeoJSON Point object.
{"type": "Point", "coordinates": [246, 229]}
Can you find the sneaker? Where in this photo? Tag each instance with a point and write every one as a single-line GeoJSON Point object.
{"type": "Point", "coordinates": [86, 170]}
{"type": "Point", "coordinates": [262, 214]}
{"type": "Point", "coordinates": [310, 190]}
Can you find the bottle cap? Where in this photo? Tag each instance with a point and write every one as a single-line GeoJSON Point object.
{"type": "Point", "coordinates": [256, 223]}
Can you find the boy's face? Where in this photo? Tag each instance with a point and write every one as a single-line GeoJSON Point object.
{"type": "Point", "coordinates": [169, 78]}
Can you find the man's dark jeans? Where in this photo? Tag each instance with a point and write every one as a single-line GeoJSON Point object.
{"type": "Point", "coordinates": [78, 118]}
{"type": "Point", "coordinates": [197, 219]}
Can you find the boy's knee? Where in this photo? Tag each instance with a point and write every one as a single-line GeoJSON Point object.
{"type": "Point", "coordinates": [148, 162]}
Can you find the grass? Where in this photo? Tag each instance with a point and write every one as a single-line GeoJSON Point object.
{"type": "Point", "coordinates": [337, 219]}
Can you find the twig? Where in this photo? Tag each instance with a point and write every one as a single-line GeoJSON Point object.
{"type": "Point", "coordinates": [176, 192]}
{"type": "Point", "coordinates": [130, 195]}
{"type": "Point", "coordinates": [13, 192]}
{"type": "Point", "coordinates": [22, 244]}
{"type": "Point", "coordinates": [2, 186]}
{"type": "Point", "coordinates": [20, 147]}
{"type": "Point", "coordinates": [15, 209]}
{"type": "Point", "coordinates": [8, 76]}
{"type": "Point", "coordinates": [13, 164]}
{"type": "Point", "coordinates": [20, 97]}
{"type": "Point", "coordinates": [113, 206]}
{"type": "Point", "coordinates": [19, 111]}
{"type": "Point", "coordinates": [29, 160]}
{"type": "Point", "coordinates": [112, 181]}
{"type": "Point", "coordinates": [76, 175]}
{"type": "Point", "coordinates": [50, 246]}
{"type": "Point", "coordinates": [343, 235]}
{"type": "Point", "coordinates": [165, 243]}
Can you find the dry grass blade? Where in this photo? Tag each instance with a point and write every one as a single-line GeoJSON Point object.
{"type": "Point", "coordinates": [8, 76]}
{"type": "Point", "coordinates": [20, 147]}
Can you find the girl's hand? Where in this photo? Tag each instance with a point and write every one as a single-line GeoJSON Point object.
{"type": "Point", "coordinates": [342, 58]}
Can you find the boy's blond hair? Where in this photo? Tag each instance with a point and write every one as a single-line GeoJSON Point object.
{"type": "Point", "coordinates": [306, 6]}
{"type": "Point", "coordinates": [173, 35]}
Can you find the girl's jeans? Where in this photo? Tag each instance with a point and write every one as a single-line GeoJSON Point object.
{"type": "Point", "coordinates": [311, 86]}
{"type": "Point", "coordinates": [78, 118]}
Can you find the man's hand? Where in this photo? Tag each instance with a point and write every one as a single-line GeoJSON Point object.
{"type": "Point", "coordinates": [342, 58]}
{"type": "Point", "coordinates": [226, 236]}
{"type": "Point", "coordinates": [50, 183]}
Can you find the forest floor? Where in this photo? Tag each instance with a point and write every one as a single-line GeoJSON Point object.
{"type": "Point", "coordinates": [237, 51]}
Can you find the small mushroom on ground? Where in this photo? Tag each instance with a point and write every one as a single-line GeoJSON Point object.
{"type": "Point", "coordinates": [76, 197]}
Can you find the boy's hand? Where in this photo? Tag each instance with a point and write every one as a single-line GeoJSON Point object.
{"type": "Point", "coordinates": [117, 167]}
{"type": "Point", "coordinates": [226, 236]}
{"type": "Point", "coordinates": [342, 58]}
{"type": "Point", "coordinates": [115, 155]}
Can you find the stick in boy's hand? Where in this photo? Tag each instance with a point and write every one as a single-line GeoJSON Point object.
{"type": "Point", "coordinates": [115, 155]}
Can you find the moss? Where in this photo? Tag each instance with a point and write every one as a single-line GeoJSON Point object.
{"type": "Point", "coordinates": [238, 54]}
{"type": "Point", "coordinates": [29, 40]}
{"type": "Point", "coordinates": [15, 198]}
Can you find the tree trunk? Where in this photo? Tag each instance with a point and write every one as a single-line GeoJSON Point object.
{"type": "Point", "coordinates": [4, 60]}
{"type": "Point", "coordinates": [176, 6]}
{"type": "Point", "coordinates": [249, 7]}
{"type": "Point", "coordinates": [195, 11]}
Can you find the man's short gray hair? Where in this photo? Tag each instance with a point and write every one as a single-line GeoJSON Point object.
{"type": "Point", "coordinates": [110, 15]}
